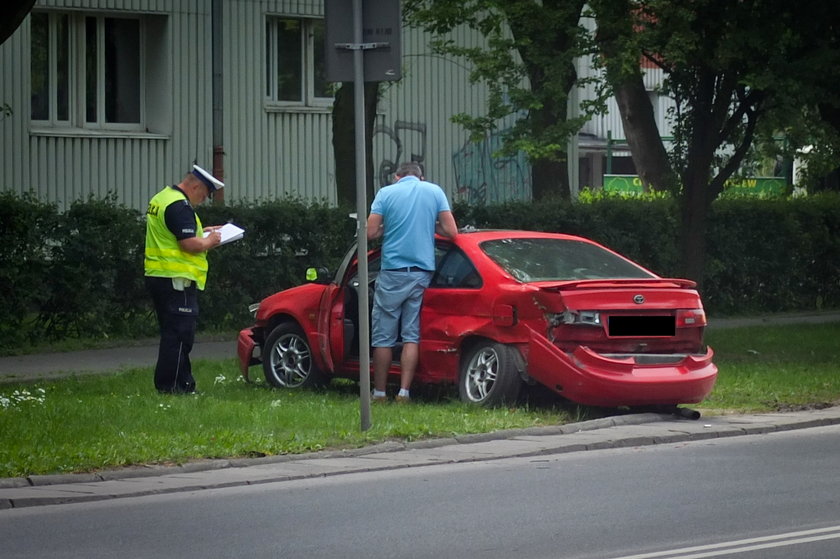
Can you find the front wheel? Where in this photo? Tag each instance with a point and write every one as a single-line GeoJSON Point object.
{"type": "Point", "coordinates": [287, 359]}
{"type": "Point", "coordinates": [489, 375]}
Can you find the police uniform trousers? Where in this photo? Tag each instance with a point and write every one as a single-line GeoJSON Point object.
{"type": "Point", "coordinates": [177, 314]}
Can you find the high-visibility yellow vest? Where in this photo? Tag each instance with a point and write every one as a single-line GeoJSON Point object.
{"type": "Point", "coordinates": [164, 257]}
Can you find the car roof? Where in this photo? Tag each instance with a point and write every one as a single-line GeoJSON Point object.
{"type": "Point", "coordinates": [475, 236]}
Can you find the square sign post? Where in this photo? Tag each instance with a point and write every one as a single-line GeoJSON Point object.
{"type": "Point", "coordinates": [367, 50]}
{"type": "Point", "coordinates": [379, 40]}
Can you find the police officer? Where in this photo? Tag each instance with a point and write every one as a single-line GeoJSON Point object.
{"type": "Point", "coordinates": [176, 269]}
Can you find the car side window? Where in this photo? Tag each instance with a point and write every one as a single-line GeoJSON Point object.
{"type": "Point", "coordinates": [373, 271]}
{"type": "Point", "coordinates": [454, 270]}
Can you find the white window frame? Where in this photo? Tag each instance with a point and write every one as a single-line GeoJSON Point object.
{"type": "Point", "coordinates": [308, 98]}
{"type": "Point", "coordinates": [77, 106]}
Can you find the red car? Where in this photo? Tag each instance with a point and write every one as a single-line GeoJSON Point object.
{"type": "Point", "coordinates": [506, 308]}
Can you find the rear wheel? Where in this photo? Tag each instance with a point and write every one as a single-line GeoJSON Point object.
{"type": "Point", "coordinates": [490, 375]}
{"type": "Point", "coordinates": [287, 359]}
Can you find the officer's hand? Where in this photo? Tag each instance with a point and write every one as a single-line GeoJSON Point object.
{"type": "Point", "coordinates": [214, 239]}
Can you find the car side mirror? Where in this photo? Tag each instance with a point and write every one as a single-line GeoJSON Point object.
{"type": "Point", "coordinates": [318, 275]}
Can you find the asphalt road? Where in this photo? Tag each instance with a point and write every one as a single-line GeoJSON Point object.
{"type": "Point", "coordinates": [757, 497]}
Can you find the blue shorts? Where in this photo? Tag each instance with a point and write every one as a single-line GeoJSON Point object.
{"type": "Point", "coordinates": [396, 306]}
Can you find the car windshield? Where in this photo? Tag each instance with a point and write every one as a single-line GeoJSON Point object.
{"type": "Point", "coordinates": [530, 260]}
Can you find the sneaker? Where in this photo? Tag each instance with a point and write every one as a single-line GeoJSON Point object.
{"type": "Point", "coordinates": [402, 399]}
{"type": "Point", "coordinates": [379, 399]}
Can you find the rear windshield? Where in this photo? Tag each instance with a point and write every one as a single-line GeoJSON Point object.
{"type": "Point", "coordinates": [531, 260]}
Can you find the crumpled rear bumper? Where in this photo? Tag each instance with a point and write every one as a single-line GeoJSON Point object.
{"type": "Point", "coordinates": [589, 378]}
{"type": "Point", "coordinates": [245, 347]}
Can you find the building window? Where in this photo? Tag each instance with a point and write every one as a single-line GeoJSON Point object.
{"type": "Point", "coordinates": [295, 65]}
{"type": "Point", "coordinates": [87, 71]}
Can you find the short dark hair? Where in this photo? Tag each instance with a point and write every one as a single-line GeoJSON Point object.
{"type": "Point", "coordinates": [409, 168]}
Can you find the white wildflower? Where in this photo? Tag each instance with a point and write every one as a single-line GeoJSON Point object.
{"type": "Point", "coordinates": [23, 396]}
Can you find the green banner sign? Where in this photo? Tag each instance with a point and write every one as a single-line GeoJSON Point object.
{"type": "Point", "coordinates": [756, 185]}
{"type": "Point", "coordinates": [631, 184]}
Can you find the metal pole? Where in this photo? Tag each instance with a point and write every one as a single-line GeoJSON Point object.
{"type": "Point", "coordinates": [218, 100]}
{"type": "Point", "coordinates": [361, 212]}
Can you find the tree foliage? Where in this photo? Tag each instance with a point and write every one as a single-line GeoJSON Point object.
{"type": "Point", "coordinates": [12, 14]}
{"type": "Point", "coordinates": [528, 66]}
{"type": "Point", "coordinates": [737, 72]}
{"type": "Point", "coordinates": [619, 55]}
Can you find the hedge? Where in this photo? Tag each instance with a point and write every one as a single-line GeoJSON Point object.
{"type": "Point", "coordinates": [79, 273]}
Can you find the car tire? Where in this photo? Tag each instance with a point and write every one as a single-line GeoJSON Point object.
{"type": "Point", "coordinates": [490, 375]}
{"type": "Point", "coordinates": [287, 359]}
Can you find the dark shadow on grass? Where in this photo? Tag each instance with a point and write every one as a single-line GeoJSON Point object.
{"type": "Point", "coordinates": [534, 397]}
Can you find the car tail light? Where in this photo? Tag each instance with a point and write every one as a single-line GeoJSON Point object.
{"type": "Point", "coordinates": [589, 318]}
{"type": "Point", "coordinates": [691, 318]}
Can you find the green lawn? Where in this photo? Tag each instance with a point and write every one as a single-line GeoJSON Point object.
{"type": "Point", "coordinates": [772, 368]}
{"type": "Point", "coordinates": [98, 422]}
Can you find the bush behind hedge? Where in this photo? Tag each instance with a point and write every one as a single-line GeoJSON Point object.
{"type": "Point", "coordinates": [80, 273]}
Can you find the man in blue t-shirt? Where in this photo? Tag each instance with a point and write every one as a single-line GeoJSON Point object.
{"type": "Point", "coordinates": [406, 214]}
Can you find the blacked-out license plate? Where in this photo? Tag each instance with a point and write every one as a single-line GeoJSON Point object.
{"type": "Point", "coordinates": [641, 326]}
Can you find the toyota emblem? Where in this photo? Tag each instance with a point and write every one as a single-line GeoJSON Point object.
{"type": "Point", "coordinates": [639, 299]}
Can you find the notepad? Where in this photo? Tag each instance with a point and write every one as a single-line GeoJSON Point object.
{"type": "Point", "coordinates": [230, 233]}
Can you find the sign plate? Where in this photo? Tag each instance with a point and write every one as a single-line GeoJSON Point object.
{"type": "Point", "coordinates": [381, 40]}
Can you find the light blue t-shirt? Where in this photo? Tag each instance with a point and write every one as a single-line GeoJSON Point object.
{"type": "Point", "coordinates": [409, 209]}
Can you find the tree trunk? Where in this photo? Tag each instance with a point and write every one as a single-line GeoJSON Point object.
{"type": "Point", "coordinates": [344, 141]}
{"type": "Point", "coordinates": [623, 70]}
{"type": "Point", "coordinates": [693, 243]}
{"type": "Point", "coordinates": [696, 198]}
{"type": "Point", "coordinates": [550, 175]}
{"type": "Point", "coordinates": [642, 135]}
{"type": "Point", "coordinates": [550, 179]}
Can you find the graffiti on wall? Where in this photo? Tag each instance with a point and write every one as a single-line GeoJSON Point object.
{"type": "Point", "coordinates": [483, 177]}
{"type": "Point", "coordinates": [480, 176]}
{"type": "Point", "coordinates": [404, 136]}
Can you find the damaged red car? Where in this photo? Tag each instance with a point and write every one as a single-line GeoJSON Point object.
{"type": "Point", "coordinates": [506, 309]}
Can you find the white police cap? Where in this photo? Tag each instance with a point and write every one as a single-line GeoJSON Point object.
{"type": "Point", "coordinates": [212, 182]}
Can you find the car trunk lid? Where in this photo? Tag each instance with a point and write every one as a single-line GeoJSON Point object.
{"type": "Point", "coordinates": [633, 316]}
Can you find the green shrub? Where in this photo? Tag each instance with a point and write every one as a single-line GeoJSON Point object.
{"type": "Point", "coordinates": [282, 238]}
{"type": "Point", "coordinates": [95, 289]}
{"type": "Point", "coordinates": [763, 254]}
{"type": "Point", "coordinates": [644, 229]}
{"type": "Point", "coordinates": [28, 228]}
{"type": "Point", "coordinates": [773, 254]}
{"type": "Point", "coordinates": [79, 274]}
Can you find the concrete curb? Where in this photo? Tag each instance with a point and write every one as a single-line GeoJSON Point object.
{"type": "Point", "coordinates": [607, 433]}
{"type": "Point", "coordinates": [389, 446]}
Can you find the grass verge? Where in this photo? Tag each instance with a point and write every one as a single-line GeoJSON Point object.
{"type": "Point", "coordinates": [96, 422]}
{"type": "Point", "coordinates": [100, 422]}
{"type": "Point", "coordinates": [775, 368]}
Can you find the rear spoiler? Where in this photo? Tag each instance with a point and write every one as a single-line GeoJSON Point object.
{"type": "Point", "coordinates": [674, 283]}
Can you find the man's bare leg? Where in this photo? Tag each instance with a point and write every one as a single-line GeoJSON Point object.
{"type": "Point", "coordinates": [408, 363]}
{"type": "Point", "coordinates": [381, 363]}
